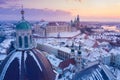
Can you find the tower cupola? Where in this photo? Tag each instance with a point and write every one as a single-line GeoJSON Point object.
{"type": "Point", "coordinates": [24, 38]}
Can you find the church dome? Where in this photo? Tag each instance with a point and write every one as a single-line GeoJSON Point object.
{"type": "Point", "coordinates": [26, 65]}
{"type": "Point", "coordinates": [25, 62]}
{"type": "Point", "coordinates": [23, 25]}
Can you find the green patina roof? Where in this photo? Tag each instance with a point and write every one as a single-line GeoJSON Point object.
{"type": "Point", "coordinates": [23, 25]}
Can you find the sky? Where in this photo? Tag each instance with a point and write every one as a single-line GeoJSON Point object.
{"type": "Point", "coordinates": [61, 10]}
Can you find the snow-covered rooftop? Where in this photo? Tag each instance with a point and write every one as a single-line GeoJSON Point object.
{"type": "Point", "coordinates": [2, 50]}
{"type": "Point", "coordinates": [64, 34]}
{"type": "Point", "coordinates": [6, 43]}
{"type": "Point", "coordinates": [2, 57]}
{"type": "Point", "coordinates": [58, 47]}
{"type": "Point", "coordinates": [53, 60]}
{"type": "Point", "coordinates": [114, 51]}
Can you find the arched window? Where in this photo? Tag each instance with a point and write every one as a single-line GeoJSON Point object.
{"type": "Point", "coordinates": [26, 41]}
{"type": "Point", "coordinates": [30, 39]}
{"type": "Point", "coordinates": [20, 42]}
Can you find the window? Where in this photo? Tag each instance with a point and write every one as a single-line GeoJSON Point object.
{"type": "Point", "coordinates": [30, 39]}
{"type": "Point", "coordinates": [26, 41]}
{"type": "Point", "coordinates": [20, 42]}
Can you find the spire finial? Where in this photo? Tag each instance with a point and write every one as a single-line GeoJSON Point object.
{"type": "Point", "coordinates": [22, 13]}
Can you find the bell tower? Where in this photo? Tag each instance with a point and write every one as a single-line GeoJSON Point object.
{"type": "Point", "coordinates": [72, 50]}
{"type": "Point", "coordinates": [78, 59]}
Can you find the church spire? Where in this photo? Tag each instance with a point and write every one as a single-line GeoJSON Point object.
{"type": "Point", "coordinates": [78, 18]}
{"type": "Point", "coordinates": [22, 13]}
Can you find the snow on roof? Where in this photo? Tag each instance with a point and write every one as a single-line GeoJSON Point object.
{"type": "Point", "coordinates": [104, 43]}
{"type": "Point", "coordinates": [67, 76]}
{"type": "Point", "coordinates": [53, 60]}
{"type": "Point", "coordinates": [57, 74]}
{"type": "Point", "coordinates": [70, 67]}
{"type": "Point", "coordinates": [2, 57]}
{"type": "Point", "coordinates": [6, 43]}
{"type": "Point", "coordinates": [43, 24]}
{"type": "Point", "coordinates": [64, 34]}
{"type": "Point", "coordinates": [31, 53]}
{"type": "Point", "coordinates": [114, 51]}
{"type": "Point", "coordinates": [7, 64]}
{"type": "Point", "coordinates": [81, 36]}
{"type": "Point", "coordinates": [115, 71]}
{"type": "Point", "coordinates": [64, 49]}
{"type": "Point", "coordinates": [118, 74]}
{"type": "Point", "coordinates": [88, 52]}
{"type": "Point", "coordinates": [94, 54]}
{"type": "Point", "coordinates": [2, 50]}
{"type": "Point", "coordinates": [89, 42]}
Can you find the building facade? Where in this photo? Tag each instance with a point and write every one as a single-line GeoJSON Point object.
{"type": "Point", "coordinates": [54, 27]}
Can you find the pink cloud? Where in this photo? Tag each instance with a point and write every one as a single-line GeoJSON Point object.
{"type": "Point", "coordinates": [35, 14]}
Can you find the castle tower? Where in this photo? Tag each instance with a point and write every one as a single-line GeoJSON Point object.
{"type": "Point", "coordinates": [77, 21]}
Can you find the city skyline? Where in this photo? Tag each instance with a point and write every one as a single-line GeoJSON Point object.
{"type": "Point", "coordinates": [63, 10]}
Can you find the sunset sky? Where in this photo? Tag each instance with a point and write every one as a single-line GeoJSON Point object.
{"type": "Point", "coordinates": [63, 10]}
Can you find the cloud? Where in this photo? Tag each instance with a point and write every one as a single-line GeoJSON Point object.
{"type": "Point", "coordinates": [77, 0]}
{"type": "Point", "coordinates": [35, 14]}
{"type": "Point", "coordinates": [9, 3]}
{"type": "Point", "coordinates": [2, 2]}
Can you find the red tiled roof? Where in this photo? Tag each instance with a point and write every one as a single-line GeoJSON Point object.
{"type": "Point", "coordinates": [66, 63]}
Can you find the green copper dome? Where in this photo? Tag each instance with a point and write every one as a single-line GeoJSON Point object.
{"type": "Point", "coordinates": [23, 25]}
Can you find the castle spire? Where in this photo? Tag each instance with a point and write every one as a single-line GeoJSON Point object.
{"type": "Point", "coordinates": [78, 18]}
{"type": "Point", "coordinates": [22, 13]}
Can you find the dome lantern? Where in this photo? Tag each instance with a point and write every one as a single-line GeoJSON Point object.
{"type": "Point", "coordinates": [24, 38]}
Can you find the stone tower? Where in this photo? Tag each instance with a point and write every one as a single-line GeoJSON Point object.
{"type": "Point", "coordinates": [78, 59]}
